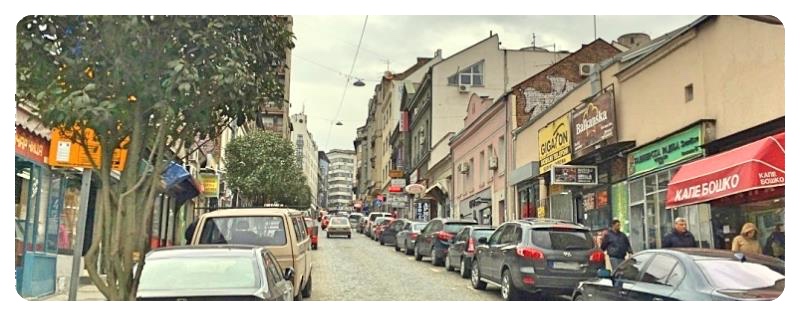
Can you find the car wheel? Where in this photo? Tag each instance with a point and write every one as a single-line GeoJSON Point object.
{"type": "Point", "coordinates": [463, 269]}
{"type": "Point", "coordinates": [476, 277]}
{"type": "Point", "coordinates": [349, 236]}
{"type": "Point", "coordinates": [382, 243]}
{"type": "Point", "coordinates": [328, 235]}
{"type": "Point", "coordinates": [417, 255]}
{"type": "Point", "coordinates": [447, 263]}
{"type": "Point", "coordinates": [313, 247]}
{"type": "Point", "coordinates": [307, 290]}
{"type": "Point", "coordinates": [507, 288]}
{"type": "Point", "coordinates": [396, 247]}
{"type": "Point", "coordinates": [409, 251]}
{"type": "Point", "coordinates": [434, 260]}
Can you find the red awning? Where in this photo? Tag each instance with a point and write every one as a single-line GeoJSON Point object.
{"type": "Point", "coordinates": [760, 164]}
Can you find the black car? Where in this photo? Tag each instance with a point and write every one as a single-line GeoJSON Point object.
{"type": "Point", "coordinates": [538, 256]}
{"type": "Point", "coordinates": [435, 238]}
{"type": "Point", "coordinates": [462, 250]}
{"type": "Point", "coordinates": [389, 234]}
{"type": "Point", "coordinates": [687, 274]}
{"type": "Point", "coordinates": [408, 236]}
{"type": "Point", "coordinates": [355, 219]}
{"type": "Point", "coordinates": [214, 272]}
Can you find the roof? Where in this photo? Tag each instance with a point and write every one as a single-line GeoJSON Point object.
{"type": "Point", "coordinates": [633, 56]}
{"type": "Point", "coordinates": [201, 251]}
{"type": "Point", "coordinates": [550, 222]}
{"type": "Point", "coordinates": [264, 211]}
{"type": "Point", "coordinates": [699, 254]}
{"type": "Point", "coordinates": [421, 61]}
{"type": "Point", "coordinates": [466, 49]}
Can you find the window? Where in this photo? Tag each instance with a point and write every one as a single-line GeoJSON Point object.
{"type": "Point", "coordinates": [562, 239]}
{"type": "Point", "coordinates": [501, 153]}
{"type": "Point", "coordinates": [735, 275]}
{"type": "Point", "coordinates": [253, 230]}
{"type": "Point", "coordinates": [629, 270]}
{"type": "Point", "coordinates": [659, 270]}
{"type": "Point", "coordinates": [688, 92]}
{"type": "Point", "coordinates": [497, 236]}
{"type": "Point", "coordinates": [481, 179]}
{"type": "Point", "coordinates": [472, 75]}
{"type": "Point", "coordinates": [180, 273]}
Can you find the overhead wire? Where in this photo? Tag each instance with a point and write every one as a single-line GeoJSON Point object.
{"type": "Point", "coordinates": [347, 81]}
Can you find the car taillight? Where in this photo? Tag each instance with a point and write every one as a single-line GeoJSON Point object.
{"type": "Point", "coordinates": [444, 236]}
{"type": "Point", "coordinates": [530, 253]}
{"type": "Point", "coordinates": [471, 245]}
{"type": "Point", "coordinates": [412, 236]}
{"type": "Point", "coordinates": [597, 256]}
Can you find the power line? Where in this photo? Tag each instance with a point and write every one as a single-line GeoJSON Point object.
{"type": "Point", "coordinates": [347, 80]}
{"type": "Point", "coordinates": [331, 68]}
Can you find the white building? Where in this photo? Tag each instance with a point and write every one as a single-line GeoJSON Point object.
{"type": "Point", "coordinates": [306, 154]}
{"type": "Point", "coordinates": [341, 179]}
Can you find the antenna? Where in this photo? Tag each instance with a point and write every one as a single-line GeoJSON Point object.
{"type": "Point", "coordinates": [534, 41]}
{"type": "Point", "coordinates": [595, 26]}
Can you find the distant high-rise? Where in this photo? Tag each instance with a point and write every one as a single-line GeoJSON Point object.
{"type": "Point", "coordinates": [341, 178]}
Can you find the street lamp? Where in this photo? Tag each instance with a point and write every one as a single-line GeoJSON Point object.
{"type": "Point", "coordinates": [339, 123]}
{"type": "Point", "coordinates": [359, 83]}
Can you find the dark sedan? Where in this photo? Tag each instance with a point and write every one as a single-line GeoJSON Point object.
{"type": "Point", "coordinates": [462, 251]}
{"type": "Point", "coordinates": [690, 274]}
{"type": "Point", "coordinates": [389, 234]}
{"type": "Point", "coordinates": [407, 237]}
{"type": "Point", "coordinates": [218, 272]}
{"type": "Point", "coordinates": [435, 238]}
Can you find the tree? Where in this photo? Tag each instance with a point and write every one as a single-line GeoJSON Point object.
{"type": "Point", "coordinates": [261, 165]}
{"type": "Point", "coordinates": [153, 84]}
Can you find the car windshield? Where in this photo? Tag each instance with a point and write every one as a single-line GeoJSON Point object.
{"type": "Point", "coordinates": [355, 217]}
{"type": "Point", "coordinates": [478, 233]}
{"type": "Point", "coordinates": [735, 275]}
{"type": "Point", "coordinates": [418, 227]}
{"type": "Point", "coordinates": [455, 227]}
{"type": "Point", "coordinates": [562, 239]}
{"type": "Point", "coordinates": [199, 273]}
{"type": "Point", "coordinates": [247, 230]}
{"type": "Point", "coordinates": [340, 221]}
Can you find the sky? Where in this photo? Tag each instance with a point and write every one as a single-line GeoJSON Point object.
{"type": "Point", "coordinates": [326, 48]}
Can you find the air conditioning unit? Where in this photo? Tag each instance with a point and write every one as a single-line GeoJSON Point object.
{"type": "Point", "coordinates": [462, 88]}
{"type": "Point", "coordinates": [493, 163]}
{"type": "Point", "coordinates": [586, 69]}
{"type": "Point", "coordinates": [463, 168]}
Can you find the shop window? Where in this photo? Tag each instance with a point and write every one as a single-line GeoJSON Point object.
{"type": "Point", "coordinates": [69, 216]}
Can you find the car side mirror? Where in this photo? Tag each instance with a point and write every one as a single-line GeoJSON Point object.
{"type": "Point", "coordinates": [288, 275]}
{"type": "Point", "coordinates": [603, 273]}
{"type": "Point", "coordinates": [483, 241]}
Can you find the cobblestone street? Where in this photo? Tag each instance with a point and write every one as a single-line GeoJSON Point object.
{"type": "Point", "coordinates": [360, 269]}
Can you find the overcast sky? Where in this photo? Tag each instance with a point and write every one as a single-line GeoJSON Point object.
{"type": "Point", "coordinates": [326, 46]}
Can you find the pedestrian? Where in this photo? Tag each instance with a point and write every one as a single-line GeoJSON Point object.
{"type": "Point", "coordinates": [680, 237]}
{"type": "Point", "coordinates": [616, 244]}
{"type": "Point", "coordinates": [776, 243]}
{"type": "Point", "coordinates": [747, 241]}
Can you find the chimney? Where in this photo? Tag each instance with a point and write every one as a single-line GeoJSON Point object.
{"type": "Point", "coordinates": [438, 53]}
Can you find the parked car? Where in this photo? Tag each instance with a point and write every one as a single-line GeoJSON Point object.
{"type": "Point", "coordinates": [339, 226]}
{"type": "Point", "coordinates": [379, 225]}
{"type": "Point", "coordinates": [688, 274]}
{"type": "Point", "coordinates": [369, 228]}
{"type": "Point", "coordinates": [408, 236]}
{"type": "Point", "coordinates": [313, 230]}
{"type": "Point", "coordinates": [362, 224]}
{"type": "Point", "coordinates": [536, 256]}
{"type": "Point", "coordinates": [435, 238]}
{"type": "Point", "coordinates": [462, 250]}
{"type": "Point", "coordinates": [389, 233]}
{"type": "Point", "coordinates": [354, 219]}
{"type": "Point", "coordinates": [214, 273]}
{"type": "Point", "coordinates": [281, 230]}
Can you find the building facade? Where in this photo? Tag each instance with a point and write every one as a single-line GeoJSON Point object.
{"type": "Point", "coordinates": [341, 178]}
{"type": "Point", "coordinates": [322, 185]}
{"type": "Point", "coordinates": [689, 90]}
{"type": "Point", "coordinates": [306, 155]}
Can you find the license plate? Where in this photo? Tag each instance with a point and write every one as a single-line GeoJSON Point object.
{"type": "Point", "coordinates": [566, 265]}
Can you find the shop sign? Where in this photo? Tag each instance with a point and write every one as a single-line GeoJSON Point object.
{"type": "Point", "coordinates": [619, 204]}
{"type": "Point", "coordinates": [31, 146]}
{"type": "Point", "coordinates": [555, 145]}
{"type": "Point", "coordinates": [589, 201]}
{"type": "Point", "coordinates": [574, 175]}
{"type": "Point", "coordinates": [65, 153]}
{"type": "Point", "coordinates": [682, 146]}
{"type": "Point", "coordinates": [540, 212]}
{"type": "Point", "coordinates": [398, 182]}
{"type": "Point", "coordinates": [593, 123]}
{"type": "Point", "coordinates": [396, 174]}
{"type": "Point", "coordinates": [210, 184]}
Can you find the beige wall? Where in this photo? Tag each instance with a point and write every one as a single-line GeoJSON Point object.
{"type": "Point", "coordinates": [737, 68]}
{"type": "Point", "coordinates": [449, 105]}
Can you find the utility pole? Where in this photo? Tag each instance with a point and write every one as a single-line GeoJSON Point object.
{"type": "Point", "coordinates": [77, 250]}
{"type": "Point", "coordinates": [595, 26]}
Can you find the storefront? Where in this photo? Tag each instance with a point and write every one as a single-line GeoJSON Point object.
{"type": "Point", "coordinates": [38, 196]}
{"type": "Point", "coordinates": [650, 169]}
{"type": "Point", "coordinates": [478, 207]}
{"type": "Point", "coordinates": [741, 185]}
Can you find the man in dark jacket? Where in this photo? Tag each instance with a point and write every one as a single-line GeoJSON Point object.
{"type": "Point", "coordinates": [616, 244]}
{"type": "Point", "coordinates": [680, 237]}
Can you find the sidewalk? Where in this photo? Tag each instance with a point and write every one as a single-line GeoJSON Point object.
{"type": "Point", "coordinates": [86, 292]}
